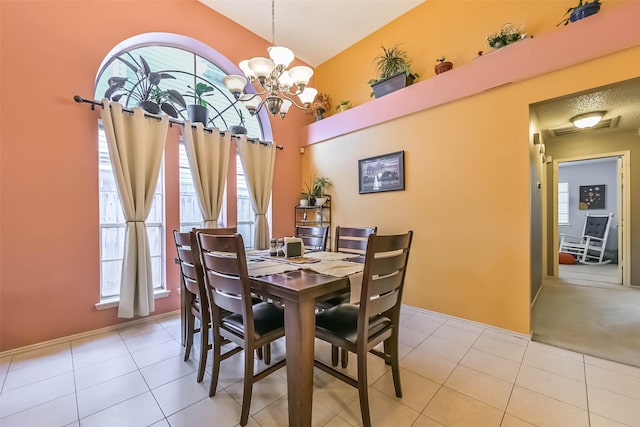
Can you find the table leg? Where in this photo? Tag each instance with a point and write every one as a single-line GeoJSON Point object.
{"type": "Point", "coordinates": [300, 331]}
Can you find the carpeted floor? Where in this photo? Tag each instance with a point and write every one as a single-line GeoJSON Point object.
{"type": "Point", "coordinates": [599, 321]}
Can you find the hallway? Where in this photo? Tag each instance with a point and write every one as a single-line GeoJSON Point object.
{"type": "Point", "coordinates": [579, 313]}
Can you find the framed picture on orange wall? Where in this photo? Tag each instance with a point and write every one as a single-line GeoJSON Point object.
{"type": "Point", "coordinates": [381, 173]}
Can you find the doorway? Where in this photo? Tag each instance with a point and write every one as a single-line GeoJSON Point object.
{"type": "Point", "coordinates": [590, 186]}
{"type": "Point", "coordinates": [591, 314]}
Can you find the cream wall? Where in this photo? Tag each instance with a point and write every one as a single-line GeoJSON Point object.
{"type": "Point", "coordinates": [467, 191]}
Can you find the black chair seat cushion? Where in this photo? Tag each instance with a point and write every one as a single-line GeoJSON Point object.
{"type": "Point", "coordinates": [267, 318]}
{"type": "Point", "coordinates": [331, 302]}
{"type": "Point", "coordinates": [342, 321]}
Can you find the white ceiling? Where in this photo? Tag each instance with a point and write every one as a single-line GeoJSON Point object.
{"type": "Point", "coordinates": [315, 30]}
{"type": "Point", "coordinates": [619, 99]}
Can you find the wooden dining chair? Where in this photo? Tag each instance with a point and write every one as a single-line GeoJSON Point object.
{"type": "Point", "coordinates": [194, 303]}
{"type": "Point", "coordinates": [359, 328]}
{"type": "Point", "coordinates": [248, 325]}
{"type": "Point", "coordinates": [351, 240]}
{"type": "Point", "coordinates": [314, 238]}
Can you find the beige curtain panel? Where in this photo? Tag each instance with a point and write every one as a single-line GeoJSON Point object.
{"type": "Point", "coordinates": [258, 161]}
{"type": "Point", "coordinates": [135, 147]}
{"type": "Point", "coordinates": [208, 154]}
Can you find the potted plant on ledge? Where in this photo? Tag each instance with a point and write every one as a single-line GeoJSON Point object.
{"type": "Point", "coordinates": [442, 65]}
{"type": "Point", "coordinates": [394, 71]}
{"type": "Point", "coordinates": [582, 10]}
{"type": "Point", "coordinates": [320, 105]}
{"type": "Point", "coordinates": [198, 112]}
{"type": "Point", "coordinates": [508, 34]}
{"type": "Point", "coordinates": [343, 106]}
{"type": "Point", "coordinates": [145, 92]}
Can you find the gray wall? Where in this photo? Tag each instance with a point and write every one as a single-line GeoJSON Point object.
{"type": "Point", "coordinates": [589, 172]}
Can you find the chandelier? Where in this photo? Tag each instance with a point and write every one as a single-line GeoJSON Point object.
{"type": "Point", "coordinates": [277, 86]}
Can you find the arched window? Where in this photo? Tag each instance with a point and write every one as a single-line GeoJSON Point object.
{"type": "Point", "coordinates": [175, 64]}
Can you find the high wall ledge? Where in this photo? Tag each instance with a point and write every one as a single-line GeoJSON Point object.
{"type": "Point", "coordinates": [602, 34]}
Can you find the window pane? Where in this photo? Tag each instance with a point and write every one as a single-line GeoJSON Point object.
{"type": "Point", "coordinates": [246, 216]}
{"type": "Point", "coordinates": [188, 70]}
{"type": "Point", "coordinates": [190, 213]}
{"type": "Point", "coordinates": [563, 203]}
{"type": "Point", "coordinates": [112, 226]}
{"type": "Point", "coordinates": [110, 278]}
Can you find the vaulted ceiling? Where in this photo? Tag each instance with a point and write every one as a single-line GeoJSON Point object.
{"type": "Point", "coordinates": [317, 30]}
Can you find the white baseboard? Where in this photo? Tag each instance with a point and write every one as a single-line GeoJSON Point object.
{"type": "Point", "coordinates": [86, 334]}
{"type": "Point", "coordinates": [470, 322]}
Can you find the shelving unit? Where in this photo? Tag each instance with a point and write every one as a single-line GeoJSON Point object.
{"type": "Point", "coordinates": [314, 216]}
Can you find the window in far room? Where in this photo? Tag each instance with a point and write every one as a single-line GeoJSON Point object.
{"type": "Point", "coordinates": [563, 203]}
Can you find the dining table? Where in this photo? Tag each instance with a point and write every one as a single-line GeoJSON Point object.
{"type": "Point", "coordinates": [298, 290]}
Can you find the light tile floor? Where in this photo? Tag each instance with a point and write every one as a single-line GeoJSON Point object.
{"type": "Point", "coordinates": [454, 373]}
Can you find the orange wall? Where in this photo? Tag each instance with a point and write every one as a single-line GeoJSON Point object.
{"type": "Point", "coordinates": [49, 247]}
{"type": "Point", "coordinates": [467, 169]}
{"type": "Point", "coordinates": [454, 28]}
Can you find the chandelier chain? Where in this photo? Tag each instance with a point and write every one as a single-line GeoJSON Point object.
{"type": "Point", "coordinates": [273, 22]}
{"type": "Point", "coordinates": [275, 83]}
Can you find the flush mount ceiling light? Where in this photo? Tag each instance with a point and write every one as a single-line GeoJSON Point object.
{"type": "Point", "coordinates": [587, 120]}
{"type": "Point", "coordinates": [274, 81]}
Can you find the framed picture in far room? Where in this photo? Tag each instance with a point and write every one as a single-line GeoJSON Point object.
{"type": "Point", "coordinates": [381, 173]}
{"type": "Point", "coordinates": [592, 197]}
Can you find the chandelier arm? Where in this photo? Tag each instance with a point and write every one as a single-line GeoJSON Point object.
{"type": "Point", "coordinates": [293, 101]}
{"type": "Point", "coordinates": [251, 95]}
{"type": "Point", "coordinates": [258, 108]}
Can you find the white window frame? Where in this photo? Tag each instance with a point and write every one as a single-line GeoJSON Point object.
{"type": "Point", "coordinates": [160, 291]}
{"type": "Point", "coordinates": [563, 203]}
{"type": "Point", "coordinates": [259, 129]}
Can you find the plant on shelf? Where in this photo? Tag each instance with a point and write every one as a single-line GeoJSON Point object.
{"type": "Point", "coordinates": [239, 129]}
{"type": "Point", "coordinates": [393, 68]}
{"type": "Point", "coordinates": [314, 192]}
{"type": "Point", "coordinates": [308, 195]}
{"type": "Point", "coordinates": [145, 92]}
{"type": "Point", "coordinates": [442, 65]}
{"type": "Point", "coordinates": [343, 105]}
{"type": "Point", "coordinates": [581, 10]}
{"type": "Point", "coordinates": [320, 105]}
{"type": "Point", "coordinates": [198, 111]}
{"type": "Point", "coordinates": [319, 184]}
{"type": "Point", "coordinates": [508, 34]}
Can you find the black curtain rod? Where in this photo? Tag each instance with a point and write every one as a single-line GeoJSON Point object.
{"type": "Point", "coordinates": [172, 121]}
